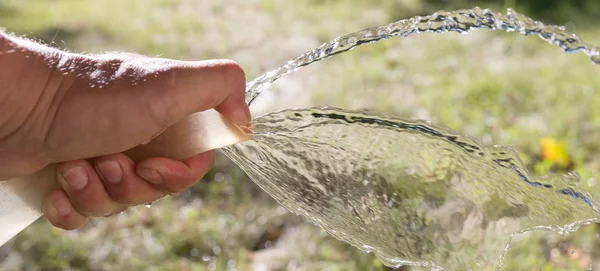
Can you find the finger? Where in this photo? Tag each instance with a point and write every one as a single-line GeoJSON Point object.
{"type": "Point", "coordinates": [118, 210]}
{"type": "Point", "coordinates": [85, 189]}
{"type": "Point", "coordinates": [60, 212]}
{"type": "Point", "coordinates": [174, 176]}
{"type": "Point", "coordinates": [117, 172]}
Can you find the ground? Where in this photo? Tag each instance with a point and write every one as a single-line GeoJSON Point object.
{"type": "Point", "coordinates": [500, 88]}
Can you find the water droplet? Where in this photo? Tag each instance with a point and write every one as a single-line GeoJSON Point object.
{"type": "Point", "coordinates": [596, 59]}
{"type": "Point", "coordinates": [148, 205]}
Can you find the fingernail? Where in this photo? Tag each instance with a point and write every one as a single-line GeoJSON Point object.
{"type": "Point", "coordinates": [111, 171]}
{"type": "Point", "coordinates": [241, 116]}
{"type": "Point", "coordinates": [150, 175]}
{"type": "Point", "coordinates": [61, 207]}
{"type": "Point", "coordinates": [76, 177]}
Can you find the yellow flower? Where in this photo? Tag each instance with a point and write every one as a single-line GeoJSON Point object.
{"type": "Point", "coordinates": [555, 151]}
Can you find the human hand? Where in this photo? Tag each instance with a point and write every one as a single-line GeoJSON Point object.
{"type": "Point", "coordinates": [63, 107]}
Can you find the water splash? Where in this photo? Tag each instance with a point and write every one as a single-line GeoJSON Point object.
{"type": "Point", "coordinates": [461, 21]}
{"type": "Point", "coordinates": [411, 192]}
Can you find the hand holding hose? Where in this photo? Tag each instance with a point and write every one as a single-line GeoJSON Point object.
{"type": "Point", "coordinates": [84, 112]}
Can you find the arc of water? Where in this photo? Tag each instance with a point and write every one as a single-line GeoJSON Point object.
{"type": "Point", "coordinates": [461, 21]}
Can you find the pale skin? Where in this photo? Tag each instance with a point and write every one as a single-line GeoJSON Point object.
{"type": "Point", "coordinates": [84, 111]}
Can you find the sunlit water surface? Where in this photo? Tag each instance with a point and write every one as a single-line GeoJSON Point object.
{"type": "Point", "coordinates": [411, 192]}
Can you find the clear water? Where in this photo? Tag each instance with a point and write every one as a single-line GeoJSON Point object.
{"type": "Point", "coordinates": [461, 21]}
{"type": "Point", "coordinates": [411, 192]}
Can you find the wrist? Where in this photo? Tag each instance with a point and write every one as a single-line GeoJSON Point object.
{"type": "Point", "coordinates": [28, 84]}
{"type": "Point", "coordinates": [6, 44]}
{"type": "Point", "coordinates": [10, 45]}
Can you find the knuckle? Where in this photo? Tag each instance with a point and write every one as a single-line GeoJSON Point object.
{"type": "Point", "coordinates": [117, 210]}
{"type": "Point", "coordinates": [92, 207]}
{"type": "Point", "coordinates": [125, 196]}
{"type": "Point", "coordinates": [229, 78]}
{"type": "Point", "coordinates": [233, 75]}
{"type": "Point", "coordinates": [120, 196]}
{"type": "Point", "coordinates": [166, 105]}
{"type": "Point", "coordinates": [174, 187]}
{"type": "Point", "coordinates": [72, 224]}
{"type": "Point", "coordinates": [170, 189]}
{"type": "Point", "coordinates": [59, 223]}
{"type": "Point", "coordinates": [64, 166]}
{"type": "Point", "coordinates": [162, 104]}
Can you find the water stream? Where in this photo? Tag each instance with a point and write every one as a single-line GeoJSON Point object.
{"type": "Point", "coordinates": [461, 21]}
{"type": "Point", "coordinates": [411, 192]}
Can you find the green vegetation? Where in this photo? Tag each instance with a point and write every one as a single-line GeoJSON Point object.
{"type": "Point", "coordinates": [501, 88]}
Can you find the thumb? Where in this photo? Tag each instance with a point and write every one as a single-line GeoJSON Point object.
{"type": "Point", "coordinates": [183, 88]}
{"type": "Point", "coordinates": [143, 97]}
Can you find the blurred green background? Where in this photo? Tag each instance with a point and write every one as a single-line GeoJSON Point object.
{"type": "Point", "coordinates": [501, 88]}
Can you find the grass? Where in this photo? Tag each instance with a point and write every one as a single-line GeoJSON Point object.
{"type": "Point", "coordinates": [500, 88]}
